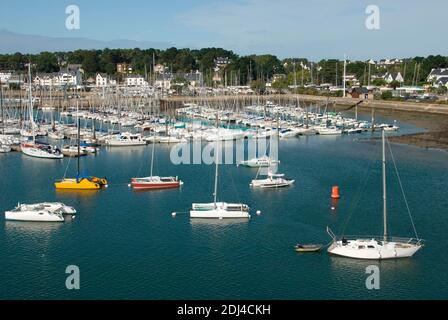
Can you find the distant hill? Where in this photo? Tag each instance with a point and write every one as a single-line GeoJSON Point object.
{"type": "Point", "coordinates": [11, 42]}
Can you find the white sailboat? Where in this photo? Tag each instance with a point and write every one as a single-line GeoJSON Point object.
{"type": "Point", "coordinates": [376, 249]}
{"type": "Point", "coordinates": [34, 149]}
{"type": "Point", "coordinates": [261, 162]}
{"type": "Point", "coordinates": [272, 181]}
{"type": "Point", "coordinates": [219, 210]}
{"type": "Point", "coordinates": [155, 182]}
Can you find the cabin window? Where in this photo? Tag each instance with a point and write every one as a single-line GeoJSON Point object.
{"type": "Point", "coordinates": [361, 247]}
{"type": "Point", "coordinates": [371, 247]}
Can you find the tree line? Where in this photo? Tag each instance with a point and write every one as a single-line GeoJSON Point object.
{"type": "Point", "coordinates": [242, 70]}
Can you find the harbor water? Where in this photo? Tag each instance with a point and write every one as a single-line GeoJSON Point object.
{"type": "Point", "coordinates": [128, 245]}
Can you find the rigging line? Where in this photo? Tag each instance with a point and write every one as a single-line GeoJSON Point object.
{"type": "Point", "coordinates": [66, 168]}
{"type": "Point", "coordinates": [358, 193]}
{"type": "Point", "coordinates": [402, 189]}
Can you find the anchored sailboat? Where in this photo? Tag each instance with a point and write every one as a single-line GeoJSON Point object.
{"type": "Point", "coordinates": [81, 182]}
{"type": "Point", "coordinates": [34, 149]}
{"type": "Point", "coordinates": [273, 180]}
{"type": "Point", "coordinates": [155, 182]}
{"type": "Point", "coordinates": [219, 210]}
{"type": "Point", "coordinates": [376, 249]}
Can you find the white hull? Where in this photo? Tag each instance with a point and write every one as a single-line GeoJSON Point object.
{"type": "Point", "coordinates": [272, 183]}
{"type": "Point", "coordinates": [222, 210]}
{"type": "Point", "coordinates": [219, 214]}
{"type": "Point", "coordinates": [125, 143]}
{"type": "Point", "coordinates": [33, 216]}
{"type": "Point", "coordinates": [373, 249]}
{"type": "Point", "coordinates": [5, 149]}
{"type": "Point", "coordinates": [39, 153]}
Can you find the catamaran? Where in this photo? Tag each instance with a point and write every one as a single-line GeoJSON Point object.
{"type": "Point", "coordinates": [155, 182]}
{"type": "Point", "coordinates": [376, 249]}
{"type": "Point", "coordinates": [219, 210]}
{"type": "Point", "coordinates": [40, 212]}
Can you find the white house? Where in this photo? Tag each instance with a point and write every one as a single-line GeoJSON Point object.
{"type": "Point", "coordinates": [135, 80]}
{"type": "Point", "coordinates": [5, 76]}
{"type": "Point", "coordinates": [163, 81]}
{"type": "Point", "coordinates": [443, 81]}
{"type": "Point", "coordinates": [436, 74]}
{"type": "Point", "coordinates": [102, 80]}
{"type": "Point", "coordinates": [59, 79]}
{"type": "Point", "coordinates": [393, 76]}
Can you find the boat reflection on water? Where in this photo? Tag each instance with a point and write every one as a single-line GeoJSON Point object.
{"type": "Point", "coordinates": [74, 193]}
{"type": "Point", "coordinates": [334, 206]}
{"type": "Point", "coordinates": [40, 229]}
{"type": "Point", "coordinates": [347, 267]}
{"type": "Point", "coordinates": [217, 223]}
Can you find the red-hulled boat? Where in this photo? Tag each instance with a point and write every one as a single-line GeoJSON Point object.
{"type": "Point", "coordinates": [155, 183]}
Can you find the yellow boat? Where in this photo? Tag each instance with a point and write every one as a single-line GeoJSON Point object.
{"type": "Point", "coordinates": [83, 183]}
{"type": "Point", "coordinates": [80, 182]}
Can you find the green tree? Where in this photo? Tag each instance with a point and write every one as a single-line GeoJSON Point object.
{"type": "Point", "coordinates": [47, 62]}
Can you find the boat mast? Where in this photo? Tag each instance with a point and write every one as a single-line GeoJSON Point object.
{"type": "Point", "coordinates": [79, 138]}
{"type": "Point", "coordinates": [152, 157]}
{"type": "Point", "coordinates": [30, 97]}
{"type": "Point", "coordinates": [215, 194]}
{"type": "Point", "coordinates": [344, 76]}
{"type": "Point", "coordinates": [1, 106]}
{"type": "Point", "coordinates": [384, 187]}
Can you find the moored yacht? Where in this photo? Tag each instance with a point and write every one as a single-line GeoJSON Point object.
{"type": "Point", "coordinates": [261, 162]}
{"type": "Point", "coordinates": [126, 139]}
{"type": "Point", "coordinates": [40, 212]}
{"type": "Point", "coordinates": [376, 248]}
{"type": "Point", "coordinates": [272, 181]}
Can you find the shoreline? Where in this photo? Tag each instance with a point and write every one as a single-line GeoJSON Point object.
{"type": "Point", "coordinates": [435, 135]}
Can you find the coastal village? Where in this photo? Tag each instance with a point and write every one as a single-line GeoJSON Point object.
{"type": "Point", "coordinates": [418, 79]}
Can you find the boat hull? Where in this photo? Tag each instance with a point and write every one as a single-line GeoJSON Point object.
{"type": "Point", "coordinates": [154, 186]}
{"type": "Point", "coordinates": [73, 184]}
{"type": "Point", "coordinates": [38, 153]}
{"type": "Point", "coordinates": [42, 216]}
{"type": "Point", "coordinates": [219, 214]}
{"type": "Point", "coordinates": [390, 250]}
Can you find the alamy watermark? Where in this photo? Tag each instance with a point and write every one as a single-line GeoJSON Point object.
{"type": "Point", "coordinates": [373, 18]}
{"type": "Point", "coordinates": [73, 20]}
{"type": "Point", "coordinates": [373, 280]}
{"type": "Point", "coordinates": [229, 152]}
{"type": "Point", "coordinates": [73, 281]}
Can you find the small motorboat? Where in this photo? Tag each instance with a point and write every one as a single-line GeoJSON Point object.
{"type": "Point", "coordinates": [308, 247]}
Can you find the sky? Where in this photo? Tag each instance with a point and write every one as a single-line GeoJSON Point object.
{"type": "Point", "coordinates": [287, 28]}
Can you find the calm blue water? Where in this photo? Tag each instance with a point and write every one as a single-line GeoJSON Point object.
{"type": "Point", "coordinates": [128, 246]}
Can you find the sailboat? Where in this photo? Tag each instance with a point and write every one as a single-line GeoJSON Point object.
{"type": "Point", "coordinates": [376, 249]}
{"type": "Point", "coordinates": [81, 182]}
{"type": "Point", "coordinates": [219, 210]}
{"type": "Point", "coordinates": [34, 149]}
{"type": "Point", "coordinates": [155, 182]}
{"type": "Point", "coordinates": [273, 180]}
